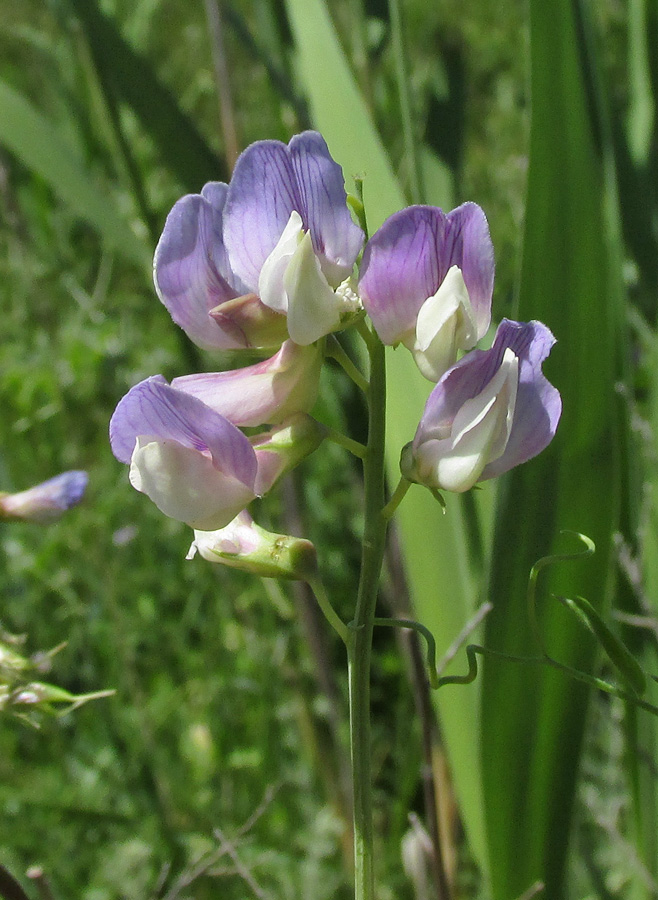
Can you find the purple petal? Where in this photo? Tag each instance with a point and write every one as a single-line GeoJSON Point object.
{"type": "Point", "coordinates": [271, 180]}
{"type": "Point", "coordinates": [262, 194]}
{"type": "Point", "coordinates": [46, 501]}
{"type": "Point", "coordinates": [154, 409]}
{"type": "Point", "coordinates": [265, 393]}
{"type": "Point", "coordinates": [65, 490]}
{"type": "Point", "coordinates": [467, 244]}
{"type": "Point", "coordinates": [400, 270]}
{"type": "Point", "coordinates": [191, 269]}
{"type": "Point", "coordinates": [336, 238]}
{"type": "Point", "coordinates": [406, 260]}
{"type": "Point", "coordinates": [538, 404]}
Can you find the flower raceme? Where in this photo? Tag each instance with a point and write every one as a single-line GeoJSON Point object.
{"type": "Point", "coordinates": [491, 411]}
{"type": "Point", "coordinates": [427, 280]}
{"type": "Point", "coordinates": [268, 261]}
{"type": "Point", "coordinates": [269, 255]}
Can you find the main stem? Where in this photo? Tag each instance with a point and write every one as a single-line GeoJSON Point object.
{"type": "Point", "coordinates": [360, 643]}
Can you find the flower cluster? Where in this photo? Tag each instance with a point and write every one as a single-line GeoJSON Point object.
{"type": "Point", "coordinates": [269, 262]}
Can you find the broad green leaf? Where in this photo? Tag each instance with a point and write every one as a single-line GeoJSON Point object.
{"type": "Point", "coordinates": [35, 140]}
{"type": "Point", "coordinates": [434, 545]}
{"type": "Point", "coordinates": [533, 720]}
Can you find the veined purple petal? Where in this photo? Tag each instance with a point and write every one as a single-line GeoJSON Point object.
{"type": "Point", "coordinates": [538, 404]}
{"type": "Point", "coordinates": [262, 194]}
{"type": "Point", "coordinates": [336, 238]}
{"type": "Point", "coordinates": [265, 393]}
{"type": "Point", "coordinates": [406, 260]}
{"type": "Point", "coordinates": [191, 269]}
{"type": "Point", "coordinates": [271, 180]}
{"type": "Point", "coordinates": [154, 409]}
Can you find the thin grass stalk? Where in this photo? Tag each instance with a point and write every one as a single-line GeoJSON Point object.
{"type": "Point", "coordinates": [222, 82]}
{"type": "Point", "coordinates": [411, 146]}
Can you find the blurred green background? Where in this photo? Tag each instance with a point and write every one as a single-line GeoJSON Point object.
{"type": "Point", "coordinates": [219, 766]}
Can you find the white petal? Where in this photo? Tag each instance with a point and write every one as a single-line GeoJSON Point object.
{"type": "Point", "coordinates": [445, 324]}
{"type": "Point", "coordinates": [184, 484]}
{"type": "Point", "coordinates": [239, 536]}
{"type": "Point", "coordinates": [270, 281]}
{"type": "Point", "coordinates": [313, 307]}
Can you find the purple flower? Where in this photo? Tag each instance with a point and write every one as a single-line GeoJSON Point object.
{"type": "Point", "coordinates": [194, 464]}
{"type": "Point", "coordinates": [427, 281]}
{"type": "Point", "coordinates": [234, 261]}
{"type": "Point", "coordinates": [194, 279]}
{"type": "Point", "coordinates": [289, 234]}
{"type": "Point", "coordinates": [491, 411]}
{"type": "Point", "coordinates": [45, 501]}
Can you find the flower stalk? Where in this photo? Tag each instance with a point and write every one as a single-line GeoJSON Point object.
{"type": "Point", "coordinates": [360, 644]}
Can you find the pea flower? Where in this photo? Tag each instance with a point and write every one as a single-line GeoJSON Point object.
{"type": "Point", "coordinates": [243, 544]}
{"type": "Point", "coordinates": [289, 234]}
{"type": "Point", "coordinates": [196, 465]}
{"type": "Point", "coordinates": [427, 280]}
{"type": "Point", "coordinates": [491, 411]}
{"type": "Point", "coordinates": [46, 501]}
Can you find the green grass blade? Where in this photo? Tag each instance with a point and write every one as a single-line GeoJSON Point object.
{"type": "Point", "coordinates": [34, 139]}
{"type": "Point", "coordinates": [533, 721]}
{"type": "Point", "coordinates": [128, 77]}
{"type": "Point", "coordinates": [434, 545]}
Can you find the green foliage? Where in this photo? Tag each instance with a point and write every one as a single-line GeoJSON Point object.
{"type": "Point", "coordinates": [222, 752]}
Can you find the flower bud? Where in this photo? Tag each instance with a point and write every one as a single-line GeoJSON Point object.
{"type": "Point", "coordinates": [244, 545]}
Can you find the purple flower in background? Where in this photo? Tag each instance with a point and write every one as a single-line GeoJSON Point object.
{"type": "Point", "coordinates": [427, 281]}
{"type": "Point", "coordinates": [46, 501]}
{"type": "Point", "coordinates": [194, 279]}
{"type": "Point", "coordinates": [289, 234]}
{"type": "Point", "coordinates": [194, 464]}
{"type": "Point", "coordinates": [491, 411]}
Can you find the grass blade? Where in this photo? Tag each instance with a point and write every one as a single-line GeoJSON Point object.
{"type": "Point", "coordinates": [128, 77]}
{"type": "Point", "coordinates": [34, 139]}
{"type": "Point", "coordinates": [533, 721]}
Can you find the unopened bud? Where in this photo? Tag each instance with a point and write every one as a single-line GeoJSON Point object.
{"type": "Point", "coordinates": [244, 545]}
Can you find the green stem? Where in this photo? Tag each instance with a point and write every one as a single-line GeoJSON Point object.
{"type": "Point", "coordinates": [360, 645]}
{"type": "Point", "coordinates": [336, 351]}
{"type": "Point", "coordinates": [354, 447]}
{"type": "Point", "coordinates": [330, 614]}
{"type": "Point", "coordinates": [397, 498]}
